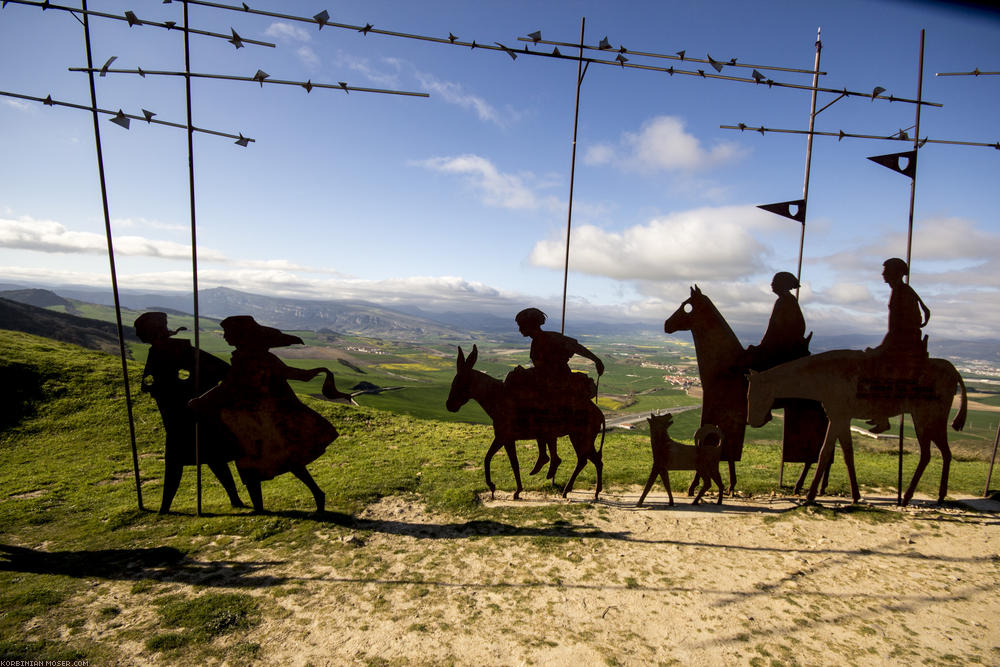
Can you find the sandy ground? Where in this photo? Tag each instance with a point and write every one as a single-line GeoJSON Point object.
{"type": "Point", "coordinates": [749, 582]}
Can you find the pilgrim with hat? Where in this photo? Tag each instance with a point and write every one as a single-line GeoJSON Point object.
{"type": "Point", "coordinates": [169, 378]}
{"type": "Point", "coordinates": [275, 431]}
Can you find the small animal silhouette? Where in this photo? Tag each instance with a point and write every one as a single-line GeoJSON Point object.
{"type": "Point", "coordinates": [668, 454]}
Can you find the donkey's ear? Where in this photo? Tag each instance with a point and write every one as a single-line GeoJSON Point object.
{"type": "Point", "coordinates": [471, 361]}
{"type": "Point", "coordinates": [461, 358]}
{"type": "Point", "coordinates": [696, 290]}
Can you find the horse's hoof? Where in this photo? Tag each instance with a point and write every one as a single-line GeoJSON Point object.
{"type": "Point", "coordinates": [539, 464]}
{"type": "Point", "coordinates": [517, 495]}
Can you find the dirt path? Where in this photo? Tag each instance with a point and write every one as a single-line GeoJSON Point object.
{"type": "Point", "coordinates": [747, 583]}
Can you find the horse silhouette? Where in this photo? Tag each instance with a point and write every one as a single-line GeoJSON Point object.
{"type": "Point", "coordinates": [513, 421]}
{"type": "Point", "coordinates": [861, 385]}
{"type": "Point", "coordinates": [722, 369]}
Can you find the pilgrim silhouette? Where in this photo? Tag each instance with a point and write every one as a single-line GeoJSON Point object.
{"type": "Point", "coordinates": [169, 378]}
{"type": "Point", "coordinates": [275, 431]}
{"type": "Point", "coordinates": [784, 339]}
{"type": "Point", "coordinates": [903, 349]}
{"type": "Point", "coordinates": [549, 389]}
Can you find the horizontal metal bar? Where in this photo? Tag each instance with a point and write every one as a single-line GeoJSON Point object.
{"type": "Point", "coordinates": [623, 50]}
{"type": "Point", "coordinates": [251, 79]}
{"type": "Point", "coordinates": [974, 72]}
{"type": "Point", "coordinates": [169, 26]}
{"type": "Point", "coordinates": [48, 101]}
{"type": "Point", "coordinates": [841, 135]}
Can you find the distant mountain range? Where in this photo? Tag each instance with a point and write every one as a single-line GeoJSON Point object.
{"type": "Point", "coordinates": [411, 323]}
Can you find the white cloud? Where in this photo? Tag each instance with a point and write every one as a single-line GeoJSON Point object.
{"type": "Point", "coordinates": [20, 105]}
{"type": "Point", "coordinates": [496, 187]}
{"type": "Point", "coordinates": [661, 144]}
{"type": "Point", "coordinates": [386, 78]}
{"type": "Point", "coordinates": [701, 244]}
{"type": "Point", "coordinates": [308, 56]}
{"type": "Point", "coordinates": [454, 93]}
{"type": "Point", "coordinates": [53, 237]}
{"type": "Point", "coordinates": [287, 32]}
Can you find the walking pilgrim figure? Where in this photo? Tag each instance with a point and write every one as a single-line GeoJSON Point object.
{"type": "Point", "coordinates": [169, 378]}
{"type": "Point", "coordinates": [275, 432]}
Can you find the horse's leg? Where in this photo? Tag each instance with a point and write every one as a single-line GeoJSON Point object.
{"type": "Point", "coordinates": [303, 475]}
{"type": "Point", "coordinates": [511, 449]}
{"type": "Point", "coordinates": [802, 479]}
{"type": "Point", "coordinates": [940, 438]}
{"type": "Point", "coordinates": [925, 434]}
{"type": "Point", "coordinates": [825, 456]}
{"type": "Point", "coordinates": [847, 446]}
{"type": "Point", "coordinates": [826, 477]}
{"type": "Point", "coordinates": [494, 448]}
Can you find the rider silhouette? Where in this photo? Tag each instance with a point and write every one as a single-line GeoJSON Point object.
{"type": "Point", "coordinates": [903, 342]}
{"type": "Point", "coordinates": [907, 312]}
{"type": "Point", "coordinates": [551, 381]}
{"type": "Point", "coordinates": [784, 338]}
{"type": "Point", "coordinates": [169, 378]}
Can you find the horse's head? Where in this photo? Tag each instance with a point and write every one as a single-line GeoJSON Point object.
{"type": "Point", "coordinates": [460, 386]}
{"type": "Point", "coordinates": [682, 318]}
{"type": "Point", "coordinates": [760, 399]}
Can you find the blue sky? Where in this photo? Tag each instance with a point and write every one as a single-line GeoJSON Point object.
{"type": "Point", "coordinates": [459, 200]}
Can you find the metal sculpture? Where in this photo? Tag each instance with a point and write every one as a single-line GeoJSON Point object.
{"type": "Point", "coordinates": [169, 378]}
{"type": "Point", "coordinates": [668, 454]}
{"type": "Point", "coordinates": [514, 421]}
{"type": "Point", "coordinates": [855, 384]}
{"type": "Point", "coordinates": [275, 431]}
{"type": "Point", "coordinates": [784, 340]}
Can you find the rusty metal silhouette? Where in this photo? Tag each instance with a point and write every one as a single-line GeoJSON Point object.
{"type": "Point", "coordinates": [168, 377]}
{"type": "Point", "coordinates": [668, 454]}
{"type": "Point", "coordinates": [276, 432]}
{"type": "Point", "coordinates": [513, 421]}
{"type": "Point", "coordinates": [861, 385]}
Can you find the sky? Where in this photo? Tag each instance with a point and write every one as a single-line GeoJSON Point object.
{"type": "Point", "coordinates": [459, 201]}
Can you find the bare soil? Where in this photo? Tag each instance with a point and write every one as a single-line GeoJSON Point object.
{"type": "Point", "coordinates": [750, 582]}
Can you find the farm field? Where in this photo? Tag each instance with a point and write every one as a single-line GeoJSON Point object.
{"type": "Point", "coordinates": [414, 562]}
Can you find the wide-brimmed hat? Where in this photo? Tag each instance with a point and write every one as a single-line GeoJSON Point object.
{"type": "Point", "coordinates": [245, 330]}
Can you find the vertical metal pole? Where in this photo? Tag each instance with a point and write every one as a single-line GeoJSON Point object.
{"type": "Point", "coordinates": [805, 197]}
{"type": "Point", "coordinates": [111, 257]}
{"type": "Point", "coordinates": [909, 241]}
{"type": "Point", "coordinates": [572, 172]}
{"type": "Point", "coordinates": [989, 475]}
{"type": "Point", "coordinates": [194, 245]}
{"type": "Point", "coordinates": [809, 152]}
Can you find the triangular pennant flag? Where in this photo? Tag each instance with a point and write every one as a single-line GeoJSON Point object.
{"type": "Point", "coordinates": [120, 119]}
{"type": "Point", "coordinates": [894, 160]}
{"type": "Point", "coordinates": [784, 209]}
